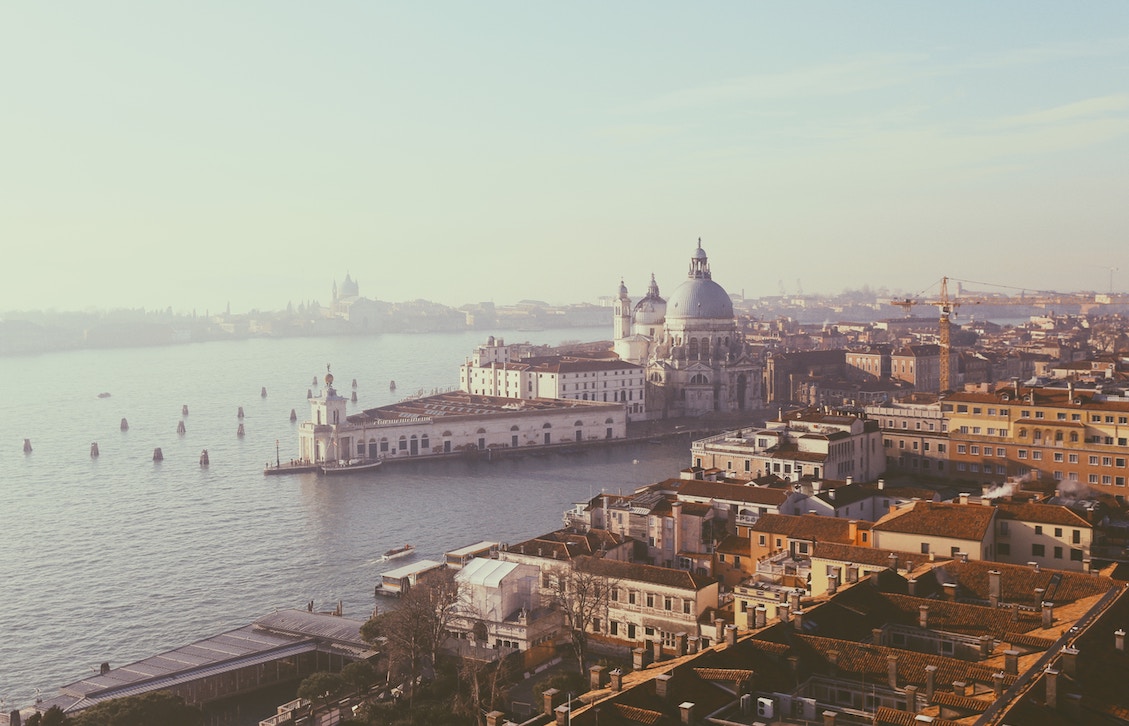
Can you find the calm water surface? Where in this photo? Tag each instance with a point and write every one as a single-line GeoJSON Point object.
{"type": "Point", "coordinates": [117, 558]}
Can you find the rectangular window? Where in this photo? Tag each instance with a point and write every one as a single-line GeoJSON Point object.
{"type": "Point", "coordinates": [924, 548]}
{"type": "Point", "coordinates": [1038, 529]}
{"type": "Point", "coordinates": [1022, 453]}
{"type": "Point", "coordinates": [961, 449]}
{"type": "Point", "coordinates": [1072, 458]}
{"type": "Point", "coordinates": [1075, 555]}
{"type": "Point", "coordinates": [975, 449]}
{"type": "Point", "coordinates": [1058, 553]}
{"type": "Point", "coordinates": [1037, 455]}
{"type": "Point", "coordinates": [650, 600]}
{"type": "Point", "coordinates": [1038, 550]}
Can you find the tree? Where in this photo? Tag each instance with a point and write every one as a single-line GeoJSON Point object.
{"type": "Point", "coordinates": [414, 632]}
{"type": "Point", "coordinates": [360, 675]}
{"type": "Point", "coordinates": [158, 707]}
{"type": "Point", "coordinates": [583, 594]}
{"type": "Point", "coordinates": [321, 687]}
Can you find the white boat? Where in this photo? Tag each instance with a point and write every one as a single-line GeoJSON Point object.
{"type": "Point", "coordinates": [349, 467]}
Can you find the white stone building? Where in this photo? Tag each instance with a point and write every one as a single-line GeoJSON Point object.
{"type": "Point", "coordinates": [496, 371]}
{"type": "Point", "coordinates": [449, 423]}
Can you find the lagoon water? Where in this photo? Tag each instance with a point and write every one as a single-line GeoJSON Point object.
{"type": "Point", "coordinates": [118, 557]}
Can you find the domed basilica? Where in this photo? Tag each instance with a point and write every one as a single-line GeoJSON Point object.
{"type": "Point", "coordinates": [696, 359]}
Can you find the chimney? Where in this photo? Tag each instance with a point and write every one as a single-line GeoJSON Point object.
{"type": "Point", "coordinates": [760, 616]}
{"type": "Point", "coordinates": [1048, 614]}
{"type": "Point", "coordinates": [963, 556]}
{"type": "Point", "coordinates": [852, 573]}
{"type": "Point", "coordinates": [550, 698]}
{"type": "Point", "coordinates": [656, 650]}
{"type": "Point", "coordinates": [963, 498]}
{"type": "Point", "coordinates": [831, 494]}
{"type": "Point", "coordinates": [693, 644]}
{"type": "Point", "coordinates": [923, 617]}
{"type": "Point", "coordinates": [950, 589]}
{"type": "Point", "coordinates": [911, 586]}
{"type": "Point", "coordinates": [687, 711]}
{"type": "Point", "coordinates": [615, 680]}
{"type": "Point", "coordinates": [892, 670]}
{"type": "Point", "coordinates": [719, 630]}
{"type": "Point", "coordinates": [960, 688]}
{"type": "Point", "coordinates": [850, 480]}
{"type": "Point", "coordinates": [662, 685]}
{"type": "Point", "coordinates": [986, 645]}
{"type": "Point", "coordinates": [562, 714]}
{"type": "Point", "coordinates": [833, 583]}
{"type": "Point", "coordinates": [892, 558]}
{"type": "Point", "coordinates": [679, 644]}
{"type": "Point", "coordinates": [833, 662]}
{"type": "Point", "coordinates": [881, 484]}
{"type": "Point", "coordinates": [930, 682]}
{"type": "Point", "coordinates": [829, 718]}
{"type": "Point", "coordinates": [994, 588]}
{"type": "Point", "coordinates": [795, 599]}
{"type": "Point", "coordinates": [798, 620]}
{"type": "Point", "coordinates": [1011, 662]}
{"type": "Point", "coordinates": [998, 684]}
{"type": "Point", "coordinates": [494, 718]}
{"type": "Point", "coordinates": [1050, 681]}
{"type": "Point", "coordinates": [1119, 639]}
{"type": "Point", "coordinates": [911, 698]}
{"type": "Point", "coordinates": [596, 677]}
{"type": "Point", "coordinates": [639, 659]}
{"type": "Point", "coordinates": [876, 636]}
{"type": "Point", "coordinates": [1069, 661]}
{"type": "Point", "coordinates": [731, 635]}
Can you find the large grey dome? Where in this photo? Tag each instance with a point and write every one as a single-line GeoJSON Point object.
{"type": "Point", "coordinates": [699, 299]}
{"type": "Point", "coordinates": [699, 296]}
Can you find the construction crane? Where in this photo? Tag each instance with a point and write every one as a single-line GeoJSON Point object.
{"type": "Point", "coordinates": [948, 306]}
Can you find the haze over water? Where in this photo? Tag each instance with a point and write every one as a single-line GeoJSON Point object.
{"type": "Point", "coordinates": [118, 558]}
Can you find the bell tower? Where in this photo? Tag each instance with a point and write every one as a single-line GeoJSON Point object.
{"type": "Point", "coordinates": [622, 314]}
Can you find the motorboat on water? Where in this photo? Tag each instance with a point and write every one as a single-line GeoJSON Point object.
{"type": "Point", "coordinates": [349, 467]}
{"type": "Point", "coordinates": [398, 552]}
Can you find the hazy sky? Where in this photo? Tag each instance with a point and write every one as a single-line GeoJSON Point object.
{"type": "Point", "coordinates": [189, 154]}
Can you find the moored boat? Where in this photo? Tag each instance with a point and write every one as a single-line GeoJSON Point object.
{"type": "Point", "coordinates": [348, 467]}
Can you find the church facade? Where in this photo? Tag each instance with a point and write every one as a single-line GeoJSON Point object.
{"type": "Point", "coordinates": [695, 356]}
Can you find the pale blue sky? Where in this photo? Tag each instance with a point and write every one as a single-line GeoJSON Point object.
{"type": "Point", "coordinates": [190, 154]}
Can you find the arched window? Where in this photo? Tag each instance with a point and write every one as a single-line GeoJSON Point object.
{"type": "Point", "coordinates": [699, 379]}
{"type": "Point", "coordinates": [546, 425]}
{"type": "Point", "coordinates": [514, 428]}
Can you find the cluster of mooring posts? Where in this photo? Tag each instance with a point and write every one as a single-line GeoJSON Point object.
{"type": "Point", "coordinates": [158, 455]}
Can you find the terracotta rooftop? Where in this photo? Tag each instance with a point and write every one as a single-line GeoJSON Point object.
{"type": "Point", "coordinates": [1042, 513]}
{"type": "Point", "coordinates": [954, 521]}
{"type": "Point", "coordinates": [806, 526]}
{"type": "Point", "coordinates": [722, 491]}
{"type": "Point", "coordinates": [635, 571]}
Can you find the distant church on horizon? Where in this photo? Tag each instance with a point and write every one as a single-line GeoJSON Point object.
{"type": "Point", "coordinates": [695, 358]}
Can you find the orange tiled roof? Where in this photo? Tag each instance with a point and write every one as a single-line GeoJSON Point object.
{"type": "Point", "coordinates": [806, 526]}
{"type": "Point", "coordinates": [956, 521]}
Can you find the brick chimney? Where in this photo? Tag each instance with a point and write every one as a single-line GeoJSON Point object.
{"type": "Point", "coordinates": [994, 588]}
{"type": "Point", "coordinates": [640, 657]}
{"type": "Point", "coordinates": [615, 679]}
{"type": "Point", "coordinates": [1050, 680]}
{"type": "Point", "coordinates": [679, 644]}
{"type": "Point", "coordinates": [494, 718]}
{"type": "Point", "coordinates": [911, 698]}
{"type": "Point", "coordinates": [1048, 614]}
{"type": "Point", "coordinates": [550, 698]}
{"type": "Point", "coordinates": [833, 583]}
{"type": "Point", "coordinates": [892, 670]}
{"type": "Point", "coordinates": [656, 650]}
{"type": "Point", "coordinates": [950, 589]}
{"type": "Point", "coordinates": [760, 616]}
{"type": "Point", "coordinates": [798, 620]}
{"type": "Point", "coordinates": [930, 681]}
{"type": "Point", "coordinates": [923, 616]}
{"type": "Point", "coordinates": [731, 635]}
{"type": "Point", "coordinates": [562, 714]}
{"type": "Point", "coordinates": [911, 586]}
{"type": "Point", "coordinates": [596, 677]}
{"type": "Point", "coordinates": [1119, 639]}
{"type": "Point", "coordinates": [1011, 662]}
{"type": "Point", "coordinates": [662, 685]}
{"type": "Point", "coordinates": [1069, 661]}
{"type": "Point", "coordinates": [687, 710]}
{"type": "Point", "coordinates": [998, 684]}
{"type": "Point", "coordinates": [693, 644]}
